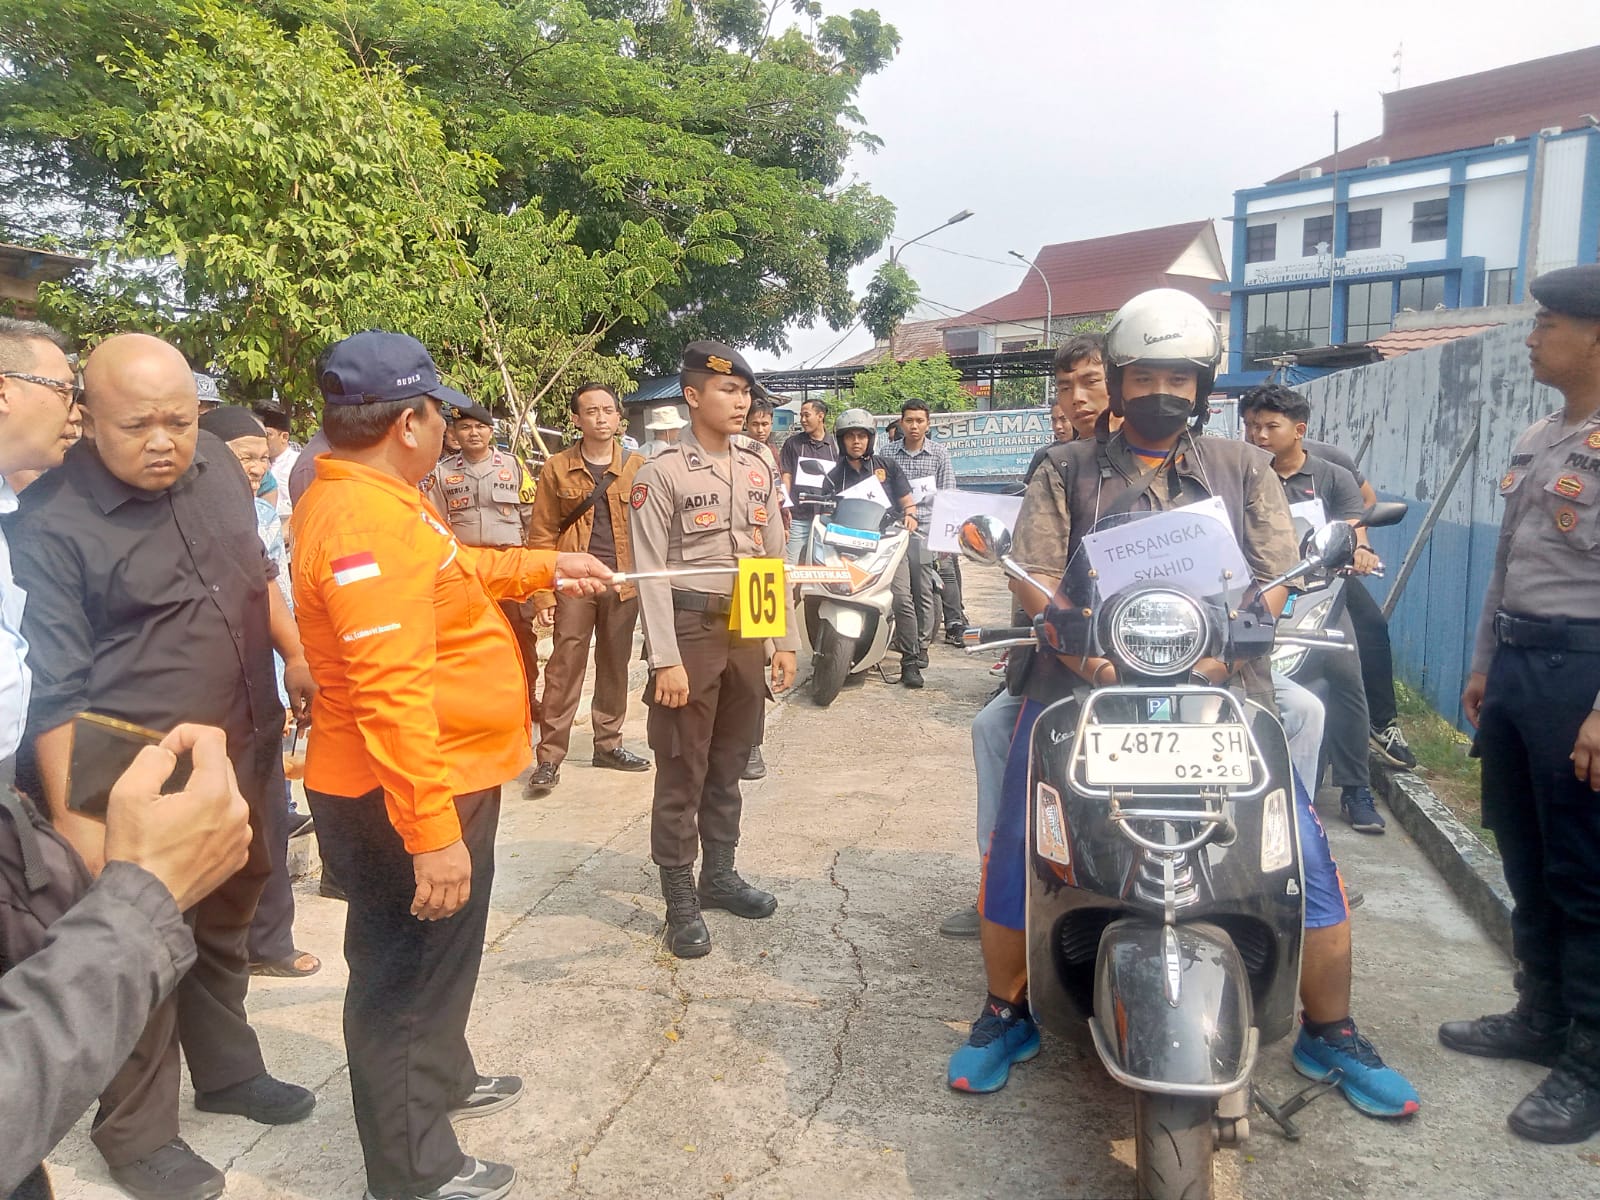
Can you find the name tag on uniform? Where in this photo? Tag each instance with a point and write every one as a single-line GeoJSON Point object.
{"type": "Point", "coordinates": [758, 610]}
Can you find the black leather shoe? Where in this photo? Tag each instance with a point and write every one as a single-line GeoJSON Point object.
{"type": "Point", "coordinates": [721, 886]}
{"type": "Point", "coordinates": [1564, 1108]}
{"type": "Point", "coordinates": [1531, 1036]}
{"type": "Point", "coordinates": [686, 935]}
{"type": "Point", "coordinates": [545, 776]}
{"type": "Point", "coordinates": [910, 674]}
{"type": "Point", "coordinates": [170, 1172]}
{"type": "Point", "coordinates": [620, 760]}
{"type": "Point", "coordinates": [265, 1100]}
{"type": "Point", "coordinates": [756, 768]}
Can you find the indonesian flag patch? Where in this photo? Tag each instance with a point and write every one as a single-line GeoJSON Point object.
{"type": "Point", "coordinates": [354, 567]}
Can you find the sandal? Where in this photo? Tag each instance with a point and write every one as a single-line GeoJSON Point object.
{"type": "Point", "coordinates": [290, 967]}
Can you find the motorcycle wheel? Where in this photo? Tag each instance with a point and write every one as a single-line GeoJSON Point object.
{"type": "Point", "coordinates": [1173, 1138]}
{"type": "Point", "coordinates": [831, 666]}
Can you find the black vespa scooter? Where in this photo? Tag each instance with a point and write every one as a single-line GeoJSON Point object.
{"type": "Point", "coordinates": [1165, 905]}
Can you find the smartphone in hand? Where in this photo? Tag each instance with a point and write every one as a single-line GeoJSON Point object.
{"type": "Point", "coordinates": [102, 749]}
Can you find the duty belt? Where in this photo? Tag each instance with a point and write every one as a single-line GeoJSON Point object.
{"type": "Point", "coordinates": [1556, 633]}
{"type": "Point", "coordinates": [702, 602]}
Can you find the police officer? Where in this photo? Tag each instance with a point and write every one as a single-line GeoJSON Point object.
{"type": "Point", "coordinates": [478, 488]}
{"type": "Point", "coordinates": [706, 501]}
{"type": "Point", "coordinates": [1534, 694]}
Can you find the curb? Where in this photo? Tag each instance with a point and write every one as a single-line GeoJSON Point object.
{"type": "Point", "coordinates": [1469, 867]}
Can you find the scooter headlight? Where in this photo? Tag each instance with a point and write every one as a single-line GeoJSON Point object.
{"type": "Point", "coordinates": [1286, 660]}
{"type": "Point", "coordinates": [1277, 840]}
{"type": "Point", "coordinates": [1157, 632]}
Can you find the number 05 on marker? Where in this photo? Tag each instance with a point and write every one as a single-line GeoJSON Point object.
{"type": "Point", "coordinates": [758, 609]}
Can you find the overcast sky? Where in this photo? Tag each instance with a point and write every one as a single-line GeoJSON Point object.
{"type": "Point", "coordinates": [1055, 120]}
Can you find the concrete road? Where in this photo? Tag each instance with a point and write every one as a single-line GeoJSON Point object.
{"type": "Point", "coordinates": [805, 1056]}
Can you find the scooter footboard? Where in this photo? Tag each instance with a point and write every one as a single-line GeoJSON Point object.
{"type": "Point", "coordinates": [1172, 1008]}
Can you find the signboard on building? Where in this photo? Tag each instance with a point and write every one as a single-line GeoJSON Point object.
{"type": "Point", "coordinates": [992, 448]}
{"type": "Point", "coordinates": [1318, 269]}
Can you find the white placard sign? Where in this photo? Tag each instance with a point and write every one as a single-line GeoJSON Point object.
{"type": "Point", "coordinates": [952, 507]}
{"type": "Point", "coordinates": [923, 489]}
{"type": "Point", "coordinates": [811, 472]}
{"type": "Point", "coordinates": [868, 489]}
{"type": "Point", "coordinates": [1190, 546]}
{"type": "Point", "coordinates": [1310, 511]}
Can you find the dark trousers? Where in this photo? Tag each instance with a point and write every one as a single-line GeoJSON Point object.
{"type": "Point", "coordinates": [1546, 821]}
{"type": "Point", "coordinates": [609, 621]}
{"type": "Point", "coordinates": [410, 991]}
{"type": "Point", "coordinates": [702, 748]}
{"type": "Point", "coordinates": [528, 645]}
{"type": "Point", "coordinates": [1337, 683]}
{"type": "Point", "coordinates": [272, 928]}
{"type": "Point", "coordinates": [954, 613]}
{"type": "Point", "coordinates": [206, 1014]}
{"type": "Point", "coordinates": [1377, 656]}
{"type": "Point", "coordinates": [907, 638]}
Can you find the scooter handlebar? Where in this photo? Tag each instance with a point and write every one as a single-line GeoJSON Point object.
{"type": "Point", "coordinates": [974, 638]}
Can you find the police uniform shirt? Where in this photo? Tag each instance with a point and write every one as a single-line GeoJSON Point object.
{"type": "Point", "coordinates": [691, 508]}
{"type": "Point", "coordinates": [482, 499]}
{"type": "Point", "coordinates": [1550, 534]}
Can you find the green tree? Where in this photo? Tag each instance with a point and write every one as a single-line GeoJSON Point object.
{"type": "Point", "coordinates": [885, 386]}
{"type": "Point", "coordinates": [890, 297]}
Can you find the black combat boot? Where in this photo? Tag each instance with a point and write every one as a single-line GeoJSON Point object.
{"type": "Point", "coordinates": [686, 935]}
{"type": "Point", "coordinates": [1535, 1030]}
{"type": "Point", "coordinates": [721, 887]}
{"type": "Point", "coordinates": [1566, 1106]}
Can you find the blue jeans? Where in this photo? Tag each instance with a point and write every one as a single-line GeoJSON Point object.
{"type": "Point", "coordinates": [991, 742]}
{"type": "Point", "coordinates": [799, 531]}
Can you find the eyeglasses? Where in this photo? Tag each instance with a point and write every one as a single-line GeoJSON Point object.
{"type": "Point", "coordinates": [70, 390]}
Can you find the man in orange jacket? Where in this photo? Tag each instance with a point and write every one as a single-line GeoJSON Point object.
{"type": "Point", "coordinates": [418, 724]}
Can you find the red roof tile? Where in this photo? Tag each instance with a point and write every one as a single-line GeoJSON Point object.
{"type": "Point", "coordinates": [913, 339]}
{"type": "Point", "coordinates": [1100, 275]}
{"type": "Point", "coordinates": [1403, 341]}
{"type": "Point", "coordinates": [1473, 110]}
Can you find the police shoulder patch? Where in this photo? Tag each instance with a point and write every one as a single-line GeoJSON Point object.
{"type": "Point", "coordinates": [758, 479]}
{"type": "Point", "coordinates": [1593, 440]}
{"type": "Point", "coordinates": [639, 495]}
{"type": "Point", "coordinates": [881, 474]}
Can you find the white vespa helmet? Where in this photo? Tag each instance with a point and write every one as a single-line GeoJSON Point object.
{"type": "Point", "coordinates": [1164, 325]}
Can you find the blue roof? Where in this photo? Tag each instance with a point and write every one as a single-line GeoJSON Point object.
{"type": "Point", "coordinates": [664, 388]}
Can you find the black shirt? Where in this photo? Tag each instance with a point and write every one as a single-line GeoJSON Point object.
{"type": "Point", "coordinates": [843, 476]}
{"type": "Point", "coordinates": [1331, 453]}
{"type": "Point", "coordinates": [796, 447]}
{"type": "Point", "coordinates": [602, 538]}
{"type": "Point", "coordinates": [151, 606]}
{"type": "Point", "coordinates": [1322, 480]}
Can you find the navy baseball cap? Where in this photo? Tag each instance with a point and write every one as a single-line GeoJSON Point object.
{"type": "Point", "coordinates": [374, 367]}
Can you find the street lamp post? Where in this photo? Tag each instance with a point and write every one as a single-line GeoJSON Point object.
{"type": "Point", "coordinates": [894, 255]}
{"type": "Point", "coordinates": [1049, 313]}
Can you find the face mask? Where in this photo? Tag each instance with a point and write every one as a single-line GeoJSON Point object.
{"type": "Point", "coordinates": [1158, 416]}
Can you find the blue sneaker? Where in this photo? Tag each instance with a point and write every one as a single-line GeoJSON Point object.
{"type": "Point", "coordinates": [1373, 1088]}
{"type": "Point", "coordinates": [1000, 1038]}
{"type": "Point", "coordinates": [1360, 811]}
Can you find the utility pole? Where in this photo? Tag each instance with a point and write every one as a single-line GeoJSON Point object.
{"type": "Point", "coordinates": [894, 254]}
{"type": "Point", "coordinates": [1049, 315]}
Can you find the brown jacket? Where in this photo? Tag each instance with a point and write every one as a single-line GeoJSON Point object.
{"type": "Point", "coordinates": [564, 484]}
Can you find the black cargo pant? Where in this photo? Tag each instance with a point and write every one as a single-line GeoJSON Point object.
{"type": "Point", "coordinates": [702, 748]}
{"type": "Point", "coordinates": [1376, 653]}
{"type": "Point", "coordinates": [1546, 821]}
{"type": "Point", "coordinates": [410, 990]}
{"type": "Point", "coordinates": [1337, 683]}
{"type": "Point", "coordinates": [138, 1111]}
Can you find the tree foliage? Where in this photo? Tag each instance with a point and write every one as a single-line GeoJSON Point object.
{"type": "Point", "coordinates": [890, 297]}
{"type": "Point", "coordinates": [558, 180]}
{"type": "Point", "coordinates": [885, 386]}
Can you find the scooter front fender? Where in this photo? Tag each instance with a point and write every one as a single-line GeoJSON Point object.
{"type": "Point", "coordinates": [1172, 1009]}
{"type": "Point", "coordinates": [848, 619]}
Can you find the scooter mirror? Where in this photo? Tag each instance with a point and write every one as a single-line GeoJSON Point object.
{"type": "Point", "coordinates": [1334, 545]}
{"type": "Point", "coordinates": [985, 539]}
{"type": "Point", "coordinates": [1385, 512]}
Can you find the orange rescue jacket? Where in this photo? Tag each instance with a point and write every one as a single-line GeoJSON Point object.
{"type": "Point", "coordinates": [421, 689]}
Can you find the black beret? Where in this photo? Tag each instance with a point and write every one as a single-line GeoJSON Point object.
{"type": "Point", "coordinates": [1572, 291]}
{"type": "Point", "coordinates": [474, 412]}
{"type": "Point", "coordinates": [720, 360]}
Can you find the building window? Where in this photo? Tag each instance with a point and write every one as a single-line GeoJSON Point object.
{"type": "Point", "coordinates": [1364, 229]}
{"type": "Point", "coordinates": [1422, 294]}
{"type": "Point", "coordinates": [1260, 243]}
{"type": "Point", "coordinates": [1497, 286]}
{"type": "Point", "coordinates": [1316, 236]}
{"type": "Point", "coordinates": [1278, 322]}
{"type": "Point", "coordinates": [1369, 311]}
{"type": "Point", "coordinates": [1430, 220]}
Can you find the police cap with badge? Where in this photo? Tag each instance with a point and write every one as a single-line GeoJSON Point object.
{"type": "Point", "coordinates": [719, 359]}
{"type": "Point", "coordinates": [1571, 291]}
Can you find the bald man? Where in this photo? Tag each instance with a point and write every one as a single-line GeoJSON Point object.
{"type": "Point", "coordinates": [150, 599]}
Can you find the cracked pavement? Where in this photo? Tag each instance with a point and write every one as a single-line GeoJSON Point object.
{"type": "Point", "coordinates": [804, 1057]}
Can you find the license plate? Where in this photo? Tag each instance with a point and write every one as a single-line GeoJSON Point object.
{"type": "Point", "coordinates": [1165, 755]}
{"type": "Point", "coordinates": [853, 539]}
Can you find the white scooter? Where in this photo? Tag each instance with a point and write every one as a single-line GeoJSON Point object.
{"type": "Point", "coordinates": [850, 624]}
